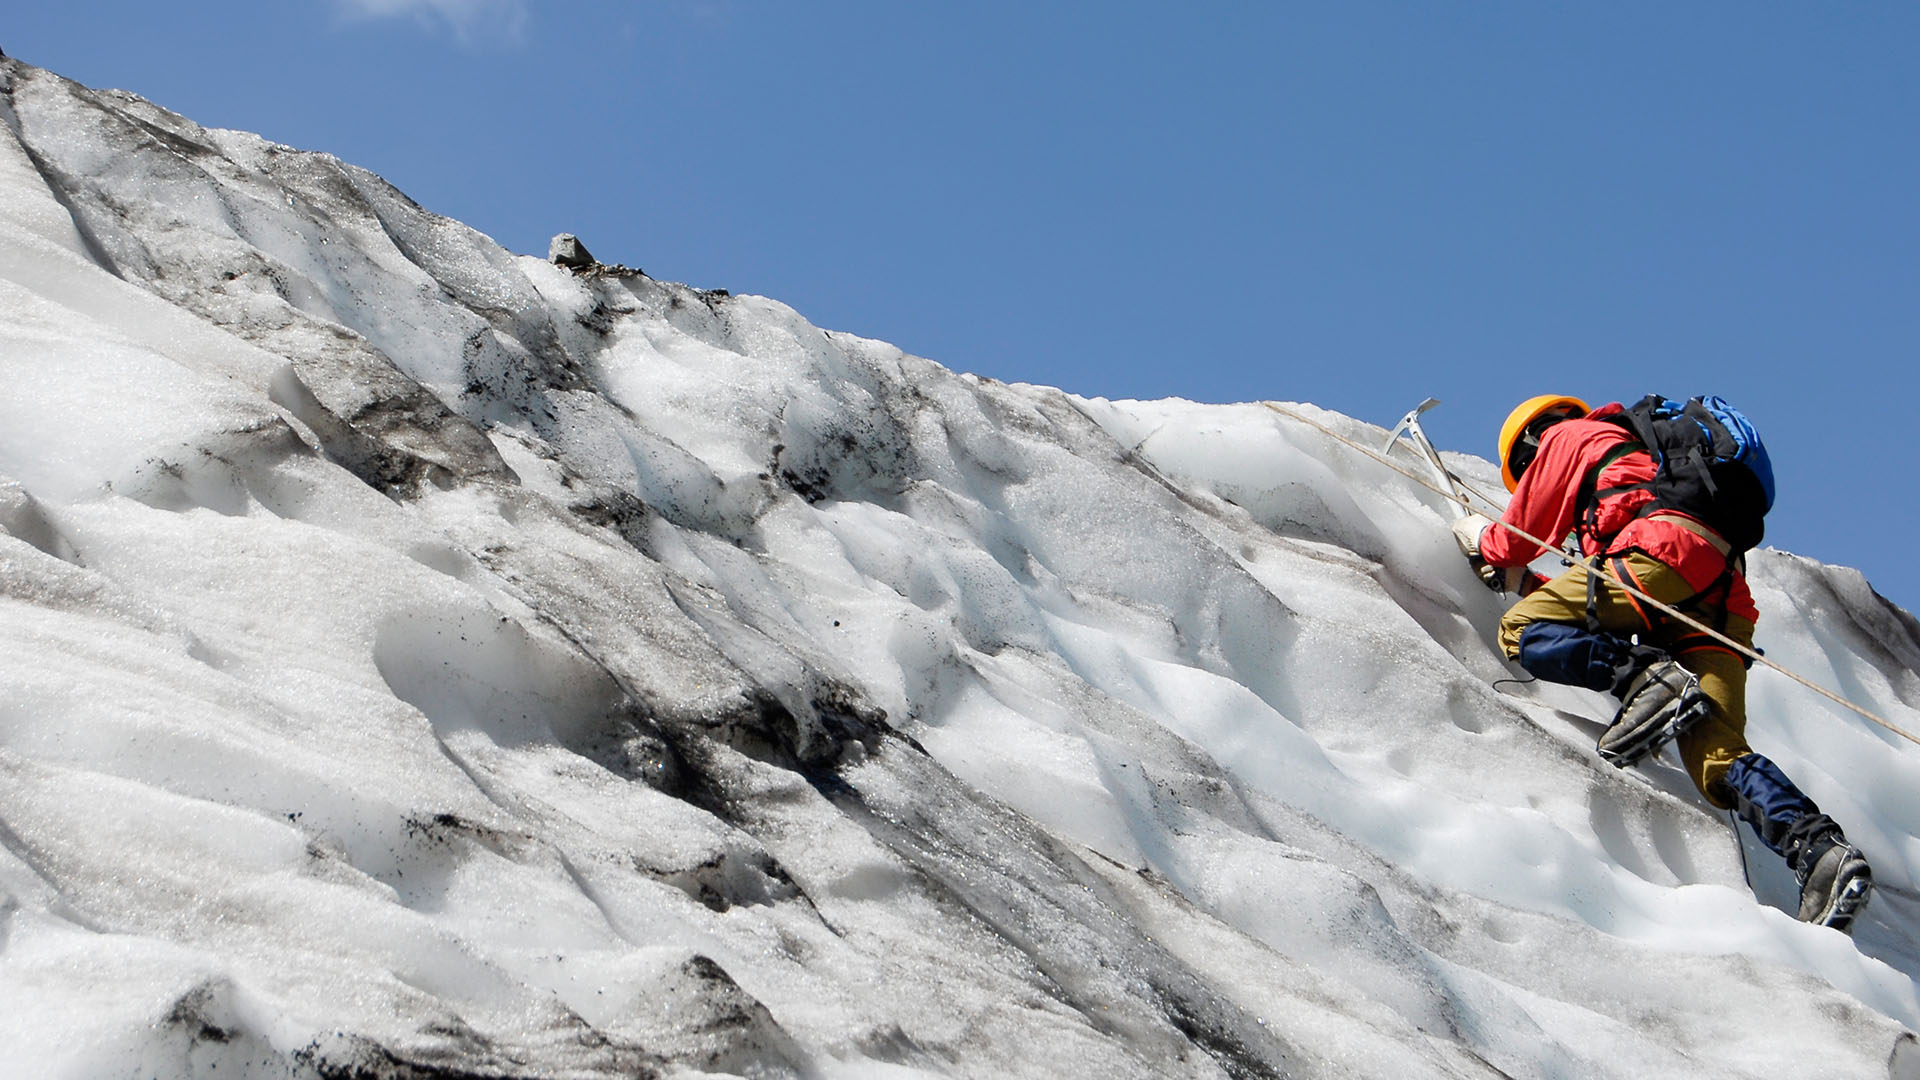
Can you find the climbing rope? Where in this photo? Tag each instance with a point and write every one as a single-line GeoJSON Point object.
{"type": "Point", "coordinates": [1668, 609]}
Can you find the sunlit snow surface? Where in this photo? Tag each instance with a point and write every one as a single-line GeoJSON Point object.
{"type": "Point", "coordinates": [414, 656]}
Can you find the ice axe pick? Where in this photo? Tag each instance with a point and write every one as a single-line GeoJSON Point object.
{"type": "Point", "coordinates": [1409, 426]}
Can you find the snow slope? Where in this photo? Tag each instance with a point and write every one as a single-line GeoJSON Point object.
{"type": "Point", "coordinates": [420, 660]}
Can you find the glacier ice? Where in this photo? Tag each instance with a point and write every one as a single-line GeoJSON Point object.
{"type": "Point", "coordinates": [421, 659]}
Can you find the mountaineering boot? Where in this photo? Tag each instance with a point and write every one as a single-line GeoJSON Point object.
{"type": "Point", "coordinates": [1658, 702]}
{"type": "Point", "coordinates": [1835, 881]}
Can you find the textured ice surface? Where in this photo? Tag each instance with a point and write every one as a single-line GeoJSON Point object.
{"type": "Point", "coordinates": [422, 660]}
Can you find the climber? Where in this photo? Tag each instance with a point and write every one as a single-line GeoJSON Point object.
{"type": "Point", "coordinates": [1592, 473]}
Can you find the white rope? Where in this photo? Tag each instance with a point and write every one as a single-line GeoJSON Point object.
{"type": "Point", "coordinates": [1668, 609]}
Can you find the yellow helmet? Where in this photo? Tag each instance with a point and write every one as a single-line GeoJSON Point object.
{"type": "Point", "coordinates": [1520, 435]}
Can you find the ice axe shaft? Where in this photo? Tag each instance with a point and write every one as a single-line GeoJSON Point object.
{"type": "Point", "coordinates": [1409, 426]}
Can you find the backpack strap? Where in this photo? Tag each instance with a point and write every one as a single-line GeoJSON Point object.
{"type": "Point", "coordinates": [1706, 475]}
{"type": "Point", "coordinates": [1697, 527]}
{"type": "Point", "coordinates": [1729, 563]}
{"type": "Point", "coordinates": [1587, 502]}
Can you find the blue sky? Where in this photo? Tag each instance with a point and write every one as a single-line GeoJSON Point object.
{"type": "Point", "coordinates": [1356, 204]}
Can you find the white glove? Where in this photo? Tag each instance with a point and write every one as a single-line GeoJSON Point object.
{"type": "Point", "coordinates": [1466, 533]}
{"type": "Point", "coordinates": [1501, 579]}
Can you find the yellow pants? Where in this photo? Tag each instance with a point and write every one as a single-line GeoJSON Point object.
{"type": "Point", "coordinates": [1715, 742]}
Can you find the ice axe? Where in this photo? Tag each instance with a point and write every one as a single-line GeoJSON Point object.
{"type": "Point", "coordinates": [1409, 426]}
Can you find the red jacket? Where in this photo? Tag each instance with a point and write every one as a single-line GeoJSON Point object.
{"type": "Point", "coordinates": [1544, 505]}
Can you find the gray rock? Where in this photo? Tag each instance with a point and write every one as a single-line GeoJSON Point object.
{"type": "Point", "coordinates": [567, 250]}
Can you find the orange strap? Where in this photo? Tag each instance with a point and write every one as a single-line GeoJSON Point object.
{"type": "Point", "coordinates": [1697, 528]}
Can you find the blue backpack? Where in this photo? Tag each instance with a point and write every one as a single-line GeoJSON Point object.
{"type": "Point", "coordinates": [1712, 464]}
